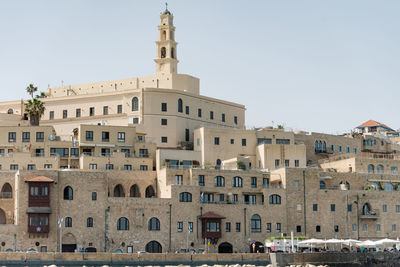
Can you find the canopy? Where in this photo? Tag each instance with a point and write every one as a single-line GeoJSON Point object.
{"type": "Point", "coordinates": [386, 242]}
{"type": "Point", "coordinates": [334, 241]}
{"type": "Point", "coordinates": [312, 241]}
{"type": "Point", "coordinates": [367, 244]}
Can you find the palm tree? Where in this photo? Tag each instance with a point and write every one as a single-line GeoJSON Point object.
{"type": "Point", "coordinates": [34, 107]}
{"type": "Point", "coordinates": [31, 89]}
{"type": "Point", "coordinates": [41, 95]}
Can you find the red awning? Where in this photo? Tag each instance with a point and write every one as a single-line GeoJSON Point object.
{"type": "Point", "coordinates": [39, 179]}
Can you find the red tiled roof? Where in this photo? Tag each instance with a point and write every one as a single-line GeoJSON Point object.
{"type": "Point", "coordinates": [372, 123]}
{"type": "Point", "coordinates": [211, 215]}
{"type": "Point", "coordinates": [42, 179]}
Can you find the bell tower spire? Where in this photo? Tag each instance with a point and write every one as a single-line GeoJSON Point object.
{"type": "Point", "coordinates": [166, 60]}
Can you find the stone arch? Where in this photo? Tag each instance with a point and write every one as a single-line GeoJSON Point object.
{"type": "Point", "coordinates": [6, 191]}
{"type": "Point", "coordinates": [119, 191]}
{"type": "Point", "coordinates": [371, 168]}
{"type": "Point", "coordinates": [69, 238]}
{"type": "Point", "coordinates": [3, 218]}
{"type": "Point", "coordinates": [153, 247]}
{"type": "Point", "coordinates": [68, 193]}
{"type": "Point", "coordinates": [10, 111]}
{"type": "Point", "coordinates": [257, 248]}
{"type": "Point", "coordinates": [225, 247]}
{"type": "Point", "coordinates": [379, 168]}
{"type": "Point", "coordinates": [134, 191]}
{"type": "Point", "coordinates": [150, 192]}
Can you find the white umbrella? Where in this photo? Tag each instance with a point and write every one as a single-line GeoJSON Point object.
{"type": "Point", "coordinates": [367, 244]}
{"type": "Point", "coordinates": [351, 242]}
{"type": "Point", "coordinates": [386, 242]}
{"type": "Point", "coordinates": [334, 241]}
{"type": "Point", "coordinates": [312, 241]}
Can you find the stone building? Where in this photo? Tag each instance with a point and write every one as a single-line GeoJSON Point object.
{"type": "Point", "coordinates": [149, 164]}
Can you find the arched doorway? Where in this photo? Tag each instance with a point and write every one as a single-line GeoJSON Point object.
{"type": "Point", "coordinates": [153, 247]}
{"type": "Point", "coordinates": [68, 243]}
{"type": "Point", "coordinates": [258, 248]}
{"type": "Point", "coordinates": [3, 218]}
{"type": "Point", "coordinates": [119, 191]}
{"type": "Point", "coordinates": [225, 248]}
{"type": "Point", "coordinates": [150, 192]}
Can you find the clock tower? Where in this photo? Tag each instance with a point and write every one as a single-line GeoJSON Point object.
{"type": "Point", "coordinates": [166, 61]}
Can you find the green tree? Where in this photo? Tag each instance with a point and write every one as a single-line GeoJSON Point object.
{"type": "Point", "coordinates": [34, 107]}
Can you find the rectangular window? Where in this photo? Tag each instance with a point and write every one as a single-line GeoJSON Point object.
{"type": "Point", "coordinates": [119, 109]}
{"type": "Point", "coordinates": [143, 167]}
{"type": "Point", "coordinates": [397, 208]}
{"type": "Point", "coordinates": [336, 228]}
{"type": "Point", "coordinates": [89, 135]}
{"type": "Point", "coordinates": [315, 207]}
{"type": "Point", "coordinates": [378, 227]}
{"type": "Point", "coordinates": [227, 226]}
{"type": "Point", "coordinates": [39, 136]}
{"type": "Point", "coordinates": [296, 183]}
{"type": "Point", "coordinates": [354, 227]}
{"type": "Point", "coordinates": [164, 107]}
{"type": "Point", "coordinates": [91, 111]}
{"type": "Point", "coordinates": [199, 113]}
{"type": "Point", "coordinates": [235, 198]}
{"type": "Point", "coordinates": [278, 227]}
{"type": "Point", "coordinates": [164, 121]}
{"type": "Point", "coordinates": [216, 141]}
{"type": "Point", "coordinates": [340, 149]}
{"type": "Point", "coordinates": [187, 135]}
{"type": "Point", "coordinates": [333, 148]}
{"type": "Point", "coordinates": [14, 167]}
{"type": "Point", "coordinates": [298, 228]}
{"type": "Point", "coordinates": [62, 152]}
{"type": "Point", "coordinates": [135, 120]}
{"type": "Point", "coordinates": [143, 153]}
{"type": "Point", "coordinates": [105, 136]}
{"type": "Point", "coordinates": [190, 227]}
{"type": "Point", "coordinates": [65, 114]}
{"type": "Point", "coordinates": [221, 197]}
{"type": "Point", "coordinates": [201, 180]}
{"type": "Point", "coordinates": [348, 149]}
{"type": "Point", "coordinates": [164, 139]}
{"type": "Point", "coordinates": [235, 120]}
{"type": "Point", "coordinates": [51, 115]}
{"type": "Point", "coordinates": [2, 152]}
{"type": "Point", "coordinates": [232, 141]}
{"type": "Point", "coordinates": [121, 137]}
{"type": "Point", "coordinates": [253, 182]}
{"type": "Point", "coordinates": [211, 115]}
{"type": "Point", "coordinates": [31, 167]}
{"type": "Point", "coordinates": [287, 163]}
{"type": "Point", "coordinates": [296, 163]}
{"type": "Point", "coordinates": [178, 179]}
{"type": "Point", "coordinates": [12, 137]}
{"type": "Point", "coordinates": [187, 110]}
{"type": "Point", "coordinates": [74, 152]}
{"type": "Point", "coordinates": [127, 167]}
{"type": "Point", "coordinates": [349, 208]}
{"type": "Point", "coordinates": [9, 151]}
{"type": "Point", "coordinates": [333, 207]}
{"type": "Point", "coordinates": [244, 142]}
{"type": "Point", "coordinates": [105, 152]}
{"type": "Point", "coordinates": [269, 228]}
{"type": "Point", "coordinates": [180, 226]}
{"type": "Point", "coordinates": [26, 136]}
{"type": "Point", "coordinates": [393, 228]}
{"type": "Point", "coordinates": [298, 207]}
{"type": "Point", "coordinates": [364, 227]}
{"type": "Point", "coordinates": [355, 150]}
{"type": "Point", "coordinates": [384, 208]}
{"type": "Point", "coordinates": [223, 117]}
{"type": "Point", "coordinates": [48, 166]}
{"type": "Point", "coordinates": [109, 166]}
{"type": "Point", "coordinates": [283, 141]}
{"type": "Point", "coordinates": [105, 110]}
{"type": "Point", "coordinates": [78, 112]}
{"type": "Point", "coordinates": [238, 227]}
{"type": "Point", "coordinates": [318, 228]}
{"type": "Point", "coordinates": [276, 163]}
{"type": "Point", "coordinates": [92, 166]}
{"type": "Point", "coordinates": [266, 182]}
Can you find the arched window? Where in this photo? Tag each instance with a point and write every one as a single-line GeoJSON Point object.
{"type": "Point", "coordinates": [6, 191]}
{"type": "Point", "coordinates": [119, 191]}
{"type": "Point", "coordinates": [275, 199]}
{"type": "Point", "coordinates": [379, 168]}
{"type": "Point", "coordinates": [150, 192]}
{"type": "Point", "coordinates": [123, 224]}
{"type": "Point", "coordinates": [172, 53]}
{"type": "Point", "coordinates": [185, 197]}
{"type": "Point", "coordinates": [154, 224]}
{"type": "Point", "coordinates": [164, 36]}
{"type": "Point", "coordinates": [324, 146]}
{"type": "Point", "coordinates": [237, 182]}
{"type": "Point", "coordinates": [316, 146]}
{"type": "Point", "coordinates": [3, 218]}
{"type": "Point", "coordinates": [322, 185]}
{"type": "Point", "coordinates": [135, 104]}
{"type": "Point", "coordinates": [180, 105]}
{"type": "Point", "coordinates": [68, 193]}
{"type": "Point", "coordinates": [163, 52]}
{"type": "Point", "coordinates": [153, 247]}
{"type": "Point", "coordinates": [10, 111]}
{"type": "Point", "coordinates": [388, 187]}
{"type": "Point", "coordinates": [371, 168]}
{"type": "Point", "coordinates": [68, 222]}
{"type": "Point", "coordinates": [135, 191]}
{"type": "Point", "coordinates": [89, 222]}
{"type": "Point", "coordinates": [219, 181]}
{"type": "Point", "coordinates": [256, 223]}
{"type": "Point", "coordinates": [218, 164]}
{"type": "Point", "coordinates": [366, 209]}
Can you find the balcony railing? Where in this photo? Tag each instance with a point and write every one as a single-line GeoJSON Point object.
{"type": "Point", "coordinates": [232, 202]}
{"type": "Point", "coordinates": [371, 214]}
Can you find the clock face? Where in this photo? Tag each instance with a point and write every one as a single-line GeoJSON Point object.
{"type": "Point", "coordinates": [164, 20]}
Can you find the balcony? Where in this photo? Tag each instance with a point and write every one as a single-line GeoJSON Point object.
{"type": "Point", "coordinates": [372, 214]}
{"type": "Point", "coordinates": [38, 229]}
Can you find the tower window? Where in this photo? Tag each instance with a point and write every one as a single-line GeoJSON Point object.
{"type": "Point", "coordinates": [163, 52]}
{"type": "Point", "coordinates": [172, 53]}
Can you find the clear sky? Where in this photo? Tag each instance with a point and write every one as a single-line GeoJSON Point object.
{"type": "Point", "coordinates": [323, 66]}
